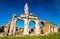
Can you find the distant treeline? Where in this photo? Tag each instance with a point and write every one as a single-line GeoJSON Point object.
{"type": "Point", "coordinates": [59, 29]}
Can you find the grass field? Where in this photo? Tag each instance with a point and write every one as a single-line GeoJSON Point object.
{"type": "Point", "coordinates": [54, 36]}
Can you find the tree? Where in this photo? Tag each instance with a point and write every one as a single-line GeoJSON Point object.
{"type": "Point", "coordinates": [59, 29]}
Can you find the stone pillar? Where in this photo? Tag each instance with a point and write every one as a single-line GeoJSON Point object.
{"type": "Point", "coordinates": [7, 27]}
{"type": "Point", "coordinates": [26, 31]}
{"type": "Point", "coordinates": [49, 29]}
{"type": "Point", "coordinates": [55, 29]}
{"type": "Point", "coordinates": [11, 27]}
{"type": "Point", "coordinates": [26, 8]}
{"type": "Point", "coordinates": [14, 28]}
{"type": "Point", "coordinates": [37, 28]}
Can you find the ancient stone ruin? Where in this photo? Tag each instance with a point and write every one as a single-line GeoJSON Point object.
{"type": "Point", "coordinates": [47, 28]}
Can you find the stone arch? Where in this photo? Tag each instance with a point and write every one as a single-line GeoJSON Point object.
{"type": "Point", "coordinates": [33, 22]}
{"type": "Point", "coordinates": [20, 20]}
{"type": "Point", "coordinates": [19, 31]}
{"type": "Point", "coordinates": [32, 26]}
{"type": "Point", "coordinates": [41, 24]}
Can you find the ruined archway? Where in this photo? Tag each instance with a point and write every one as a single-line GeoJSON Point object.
{"type": "Point", "coordinates": [20, 23]}
{"type": "Point", "coordinates": [20, 26]}
{"type": "Point", "coordinates": [27, 18]}
{"type": "Point", "coordinates": [41, 24]}
{"type": "Point", "coordinates": [31, 26]}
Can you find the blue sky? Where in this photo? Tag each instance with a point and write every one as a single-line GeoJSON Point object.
{"type": "Point", "coordinates": [45, 10]}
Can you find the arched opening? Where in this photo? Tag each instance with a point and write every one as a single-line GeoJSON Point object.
{"type": "Point", "coordinates": [31, 27]}
{"type": "Point", "coordinates": [19, 26]}
{"type": "Point", "coordinates": [41, 24]}
{"type": "Point", "coordinates": [41, 28]}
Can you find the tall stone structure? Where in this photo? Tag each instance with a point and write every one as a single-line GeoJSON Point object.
{"type": "Point", "coordinates": [27, 17]}
{"type": "Point", "coordinates": [7, 28]}
{"type": "Point", "coordinates": [26, 32]}
{"type": "Point", "coordinates": [13, 25]}
{"type": "Point", "coordinates": [26, 9]}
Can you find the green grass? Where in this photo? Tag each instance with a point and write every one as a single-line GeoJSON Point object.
{"type": "Point", "coordinates": [54, 36]}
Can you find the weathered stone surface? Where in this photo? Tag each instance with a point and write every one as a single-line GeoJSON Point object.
{"type": "Point", "coordinates": [46, 28]}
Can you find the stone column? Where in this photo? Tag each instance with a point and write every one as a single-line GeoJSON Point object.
{"type": "Point", "coordinates": [55, 29]}
{"type": "Point", "coordinates": [11, 27]}
{"type": "Point", "coordinates": [26, 31]}
{"type": "Point", "coordinates": [7, 27]}
{"type": "Point", "coordinates": [37, 28]}
{"type": "Point", "coordinates": [49, 29]}
{"type": "Point", "coordinates": [14, 28]}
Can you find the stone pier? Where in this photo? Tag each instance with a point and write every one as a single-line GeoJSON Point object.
{"type": "Point", "coordinates": [37, 27]}
{"type": "Point", "coordinates": [26, 30]}
{"type": "Point", "coordinates": [13, 25]}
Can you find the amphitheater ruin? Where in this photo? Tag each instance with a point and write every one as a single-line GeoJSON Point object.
{"type": "Point", "coordinates": [47, 28]}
